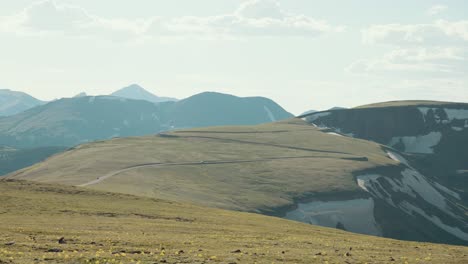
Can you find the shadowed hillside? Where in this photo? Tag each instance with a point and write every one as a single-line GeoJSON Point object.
{"type": "Point", "coordinates": [433, 134]}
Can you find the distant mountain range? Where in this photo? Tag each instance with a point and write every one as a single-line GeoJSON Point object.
{"type": "Point", "coordinates": [12, 102]}
{"type": "Point", "coordinates": [72, 121]}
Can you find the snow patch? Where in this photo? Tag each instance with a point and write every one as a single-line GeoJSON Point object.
{"type": "Point", "coordinates": [270, 114]}
{"type": "Point", "coordinates": [409, 208]}
{"type": "Point", "coordinates": [370, 183]}
{"type": "Point", "coordinates": [342, 133]}
{"type": "Point", "coordinates": [334, 134]}
{"type": "Point", "coordinates": [91, 99]}
{"type": "Point", "coordinates": [397, 157]}
{"type": "Point", "coordinates": [417, 182]}
{"type": "Point", "coordinates": [314, 117]}
{"type": "Point", "coordinates": [412, 183]}
{"type": "Point", "coordinates": [418, 144]}
{"type": "Point", "coordinates": [354, 215]}
{"type": "Point", "coordinates": [447, 191]}
{"type": "Point", "coordinates": [459, 114]}
{"type": "Point", "coordinates": [452, 114]}
{"type": "Point", "coordinates": [457, 128]}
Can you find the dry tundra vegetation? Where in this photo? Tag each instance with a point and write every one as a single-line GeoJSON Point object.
{"type": "Point", "coordinates": [43, 223]}
{"type": "Point", "coordinates": [260, 167]}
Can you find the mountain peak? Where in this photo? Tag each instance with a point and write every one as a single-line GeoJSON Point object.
{"type": "Point", "coordinates": [136, 92]}
{"type": "Point", "coordinates": [82, 94]}
{"type": "Point", "coordinates": [13, 102]}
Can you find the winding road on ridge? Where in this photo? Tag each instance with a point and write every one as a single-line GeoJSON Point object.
{"type": "Point", "coordinates": [202, 163]}
{"type": "Point", "coordinates": [348, 156]}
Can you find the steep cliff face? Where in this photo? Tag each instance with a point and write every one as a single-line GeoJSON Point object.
{"type": "Point", "coordinates": [433, 135]}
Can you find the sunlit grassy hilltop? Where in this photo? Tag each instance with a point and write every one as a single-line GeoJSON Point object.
{"type": "Point", "coordinates": [247, 168]}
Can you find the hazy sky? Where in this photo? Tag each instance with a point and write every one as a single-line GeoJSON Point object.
{"type": "Point", "coordinates": [304, 54]}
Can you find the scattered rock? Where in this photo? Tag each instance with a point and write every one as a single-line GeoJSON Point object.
{"type": "Point", "coordinates": [392, 259]}
{"type": "Point", "coordinates": [55, 250]}
{"type": "Point", "coordinates": [62, 240]}
{"type": "Point", "coordinates": [348, 254]}
{"type": "Point", "coordinates": [237, 251]}
{"type": "Point", "coordinates": [11, 243]}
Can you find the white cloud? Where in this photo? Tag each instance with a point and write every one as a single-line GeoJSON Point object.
{"type": "Point", "coordinates": [436, 9]}
{"type": "Point", "coordinates": [47, 17]}
{"type": "Point", "coordinates": [257, 9]}
{"type": "Point", "coordinates": [440, 32]}
{"type": "Point", "coordinates": [442, 89]}
{"type": "Point", "coordinates": [252, 18]}
{"type": "Point", "coordinates": [436, 48]}
{"type": "Point", "coordinates": [422, 60]}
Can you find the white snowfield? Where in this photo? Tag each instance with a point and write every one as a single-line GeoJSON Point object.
{"type": "Point", "coordinates": [417, 186]}
{"type": "Point", "coordinates": [418, 144]}
{"type": "Point", "coordinates": [354, 215]}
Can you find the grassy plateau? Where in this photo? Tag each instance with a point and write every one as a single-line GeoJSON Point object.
{"type": "Point", "coordinates": [245, 168]}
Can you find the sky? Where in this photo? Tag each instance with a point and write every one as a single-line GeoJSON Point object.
{"type": "Point", "coordinates": [304, 54]}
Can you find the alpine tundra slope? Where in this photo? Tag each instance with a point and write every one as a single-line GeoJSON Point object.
{"type": "Point", "coordinates": [289, 169]}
